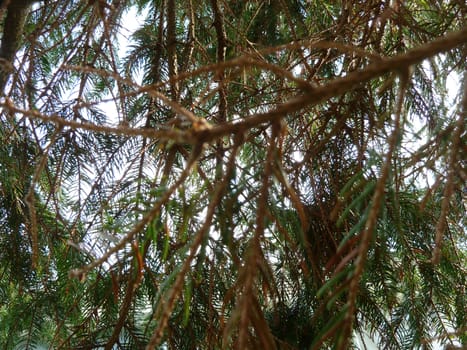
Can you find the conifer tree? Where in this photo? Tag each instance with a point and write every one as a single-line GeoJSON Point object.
{"type": "Point", "coordinates": [281, 174]}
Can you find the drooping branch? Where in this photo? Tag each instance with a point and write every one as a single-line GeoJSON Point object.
{"type": "Point", "coordinates": [173, 294]}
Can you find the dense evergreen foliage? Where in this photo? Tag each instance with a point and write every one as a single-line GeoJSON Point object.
{"type": "Point", "coordinates": [278, 174]}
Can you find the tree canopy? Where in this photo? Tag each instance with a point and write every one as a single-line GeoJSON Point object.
{"type": "Point", "coordinates": [280, 174]}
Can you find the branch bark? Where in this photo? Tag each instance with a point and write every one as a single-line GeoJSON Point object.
{"type": "Point", "coordinates": [17, 11]}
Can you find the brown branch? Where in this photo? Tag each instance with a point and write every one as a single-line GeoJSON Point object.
{"type": "Point", "coordinates": [371, 222]}
{"type": "Point", "coordinates": [167, 307]}
{"type": "Point", "coordinates": [165, 133]}
{"type": "Point", "coordinates": [132, 285]}
{"type": "Point", "coordinates": [342, 85]}
{"type": "Point", "coordinates": [312, 96]}
{"type": "Point", "coordinates": [30, 198]}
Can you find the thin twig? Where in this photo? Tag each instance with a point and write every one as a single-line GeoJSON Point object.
{"type": "Point", "coordinates": [163, 134]}
{"type": "Point", "coordinates": [449, 188]}
{"type": "Point", "coordinates": [81, 272]}
{"type": "Point", "coordinates": [30, 197]}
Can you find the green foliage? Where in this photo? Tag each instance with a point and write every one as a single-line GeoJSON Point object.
{"type": "Point", "coordinates": [260, 174]}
